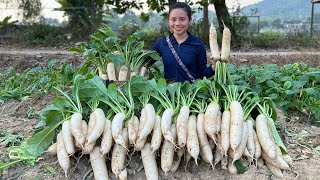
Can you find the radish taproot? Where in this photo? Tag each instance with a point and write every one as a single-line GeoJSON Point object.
{"type": "Point", "coordinates": [149, 163]}
{"type": "Point", "coordinates": [98, 164]}
{"type": "Point", "coordinates": [63, 157]}
{"type": "Point", "coordinates": [213, 43]}
{"type": "Point", "coordinates": [119, 153]}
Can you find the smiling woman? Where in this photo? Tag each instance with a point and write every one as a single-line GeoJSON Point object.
{"type": "Point", "coordinates": [183, 55]}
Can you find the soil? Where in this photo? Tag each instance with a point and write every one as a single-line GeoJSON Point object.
{"type": "Point", "coordinates": [20, 117]}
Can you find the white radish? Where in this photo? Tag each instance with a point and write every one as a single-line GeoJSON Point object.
{"type": "Point", "coordinates": [274, 170]}
{"type": "Point", "coordinates": [156, 135]}
{"type": "Point", "coordinates": [63, 157]}
{"type": "Point", "coordinates": [192, 140]}
{"type": "Point", "coordinates": [138, 146]}
{"type": "Point", "coordinates": [225, 132]}
{"type": "Point", "coordinates": [264, 137]}
{"type": "Point", "coordinates": [218, 123]}
{"type": "Point", "coordinates": [98, 127]}
{"type": "Point", "coordinates": [102, 75]}
{"type": "Point", "coordinates": [225, 47]}
{"type": "Point", "coordinates": [231, 167]}
{"type": "Point", "coordinates": [149, 163]}
{"type": "Point", "coordinates": [84, 132]}
{"type": "Point", "coordinates": [224, 162]}
{"type": "Point", "coordinates": [240, 149]}
{"type": "Point", "coordinates": [87, 148]}
{"type": "Point", "coordinates": [210, 119]}
{"type": "Point", "coordinates": [288, 159]}
{"type": "Point", "coordinates": [106, 140]}
{"type": "Point", "coordinates": [91, 124]}
{"type": "Point", "coordinates": [143, 119]}
{"type": "Point", "coordinates": [182, 120]}
{"type": "Point", "coordinates": [98, 164]}
{"type": "Point", "coordinates": [149, 124]}
{"type": "Point", "coordinates": [76, 128]}
{"type": "Point", "coordinates": [143, 71]}
{"type": "Point", "coordinates": [167, 152]}
{"type": "Point", "coordinates": [213, 42]}
{"type": "Point", "coordinates": [217, 155]}
{"type": "Point", "coordinates": [175, 165]}
{"type": "Point", "coordinates": [67, 137]}
{"type": "Point", "coordinates": [278, 162]}
{"type": "Point", "coordinates": [257, 147]}
{"type": "Point", "coordinates": [177, 160]}
{"type": "Point", "coordinates": [52, 150]}
{"type": "Point", "coordinates": [123, 174]}
{"type": "Point", "coordinates": [111, 71]}
{"type": "Point", "coordinates": [236, 124]}
{"type": "Point", "coordinates": [117, 125]}
{"type": "Point", "coordinates": [166, 121]}
{"type": "Point", "coordinates": [205, 149]}
{"type": "Point", "coordinates": [250, 142]}
{"type": "Point", "coordinates": [259, 163]}
{"type": "Point", "coordinates": [133, 127]}
{"type": "Point", "coordinates": [123, 73]}
{"type": "Point", "coordinates": [119, 154]}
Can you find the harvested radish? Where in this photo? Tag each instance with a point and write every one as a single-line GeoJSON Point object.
{"type": "Point", "coordinates": [225, 132]}
{"type": "Point", "coordinates": [67, 137]}
{"type": "Point", "coordinates": [117, 125]}
{"type": "Point", "coordinates": [149, 163]}
{"type": "Point", "coordinates": [111, 71]}
{"type": "Point", "coordinates": [213, 42]}
{"type": "Point", "coordinates": [123, 73]}
{"type": "Point", "coordinates": [264, 137]}
{"type": "Point", "coordinates": [166, 121]}
{"type": "Point", "coordinates": [205, 149]}
{"type": "Point", "coordinates": [99, 126]}
{"type": "Point", "coordinates": [156, 135]}
{"type": "Point", "coordinates": [182, 122]}
{"type": "Point", "coordinates": [236, 124]}
{"type": "Point", "coordinates": [76, 128]}
{"type": "Point", "coordinates": [119, 153]}
{"type": "Point", "coordinates": [106, 141]}
{"type": "Point", "coordinates": [98, 164]}
{"type": "Point", "coordinates": [52, 150]}
{"type": "Point", "coordinates": [225, 47]}
{"type": "Point", "coordinates": [133, 127]}
{"type": "Point", "coordinates": [149, 123]}
{"type": "Point", "coordinates": [167, 152]}
{"type": "Point", "coordinates": [192, 140]}
{"type": "Point", "coordinates": [62, 155]}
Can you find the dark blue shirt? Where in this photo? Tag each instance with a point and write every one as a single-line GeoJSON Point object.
{"type": "Point", "coordinates": [191, 52]}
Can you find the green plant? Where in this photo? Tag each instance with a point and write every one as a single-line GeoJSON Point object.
{"type": "Point", "coordinates": [40, 34]}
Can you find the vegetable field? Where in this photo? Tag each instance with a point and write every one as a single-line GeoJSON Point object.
{"type": "Point", "coordinates": [41, 95]}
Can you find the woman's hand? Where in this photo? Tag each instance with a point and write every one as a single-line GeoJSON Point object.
{"type": "Point", "coordinates": [212, 62]}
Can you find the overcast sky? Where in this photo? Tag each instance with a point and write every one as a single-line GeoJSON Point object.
{"type": "Point", "coordinates": [49, 5]}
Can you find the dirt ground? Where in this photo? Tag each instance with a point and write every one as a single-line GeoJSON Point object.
{"type": "Point", "coordinates": [19, 118]}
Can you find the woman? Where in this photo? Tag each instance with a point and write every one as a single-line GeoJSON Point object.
{"type": "Point", "coordinates": [189, 49]}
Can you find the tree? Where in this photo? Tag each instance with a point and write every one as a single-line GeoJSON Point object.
{"type": "Point", "coordinates": [222, 14]}
{"type": "Point", "coordinates": [30, 8]}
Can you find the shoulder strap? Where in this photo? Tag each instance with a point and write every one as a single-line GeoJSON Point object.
{"type": "Point", "coordinates": [178, 59]}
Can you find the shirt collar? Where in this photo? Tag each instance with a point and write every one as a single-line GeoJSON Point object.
{"type": "Point", "coordinates": [190, 40]}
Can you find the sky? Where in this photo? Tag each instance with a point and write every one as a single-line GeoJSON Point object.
{"type": "Point", "coordinates": [49, 5]}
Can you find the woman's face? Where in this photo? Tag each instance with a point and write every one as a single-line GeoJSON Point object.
{"type": "Point", "coordinates": [179, 21]}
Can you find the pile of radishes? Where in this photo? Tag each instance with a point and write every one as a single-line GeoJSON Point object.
{"type": "Point", "coordinates": [215, 127]}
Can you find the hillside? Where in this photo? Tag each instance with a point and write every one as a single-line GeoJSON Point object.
{"type": "Point", "coordinates": [282, 9]}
